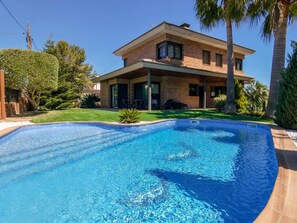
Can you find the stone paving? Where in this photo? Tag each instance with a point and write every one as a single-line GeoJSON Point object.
{"type": "Point", "coordinates": [5, 124]}
{"type": "Point", "coordinates": [293, 135]}
{"type": "Point", "coordinates": [282, 205]}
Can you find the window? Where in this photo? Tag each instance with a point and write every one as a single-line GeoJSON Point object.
{"type": "Point", "coordinates": [125, 62]}
{"type": "Point", "coordinates": [219, 60]}
{"type": "Point", "coordinates": [206, 57]}
{"type": "Point", "coordinates": [238, 64]}
{"type": "Point", "coordinates": [178, 52]}
{"type": "Point", "coordinates": [216, 91]}
{"type": "Point", "coordinates": [162, 51]}
{"type": "Point", "coordinates": [169, 49]}
{"type": "Point", "coordinates": [193, 90]}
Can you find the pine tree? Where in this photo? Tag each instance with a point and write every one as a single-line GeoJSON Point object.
{"type": "Point", "coordinates": [73, 75]}
{"type": "Point", "coordinates": [286, 109]}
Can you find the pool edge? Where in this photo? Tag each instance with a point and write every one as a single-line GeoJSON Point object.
{"type": "Point", "coordinates": [9, 130]}
{"type": "Point", "coordinates": [282, 204]}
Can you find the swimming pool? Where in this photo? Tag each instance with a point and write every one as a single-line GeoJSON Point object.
{"type": "Point", "coordinates": [173, 171]}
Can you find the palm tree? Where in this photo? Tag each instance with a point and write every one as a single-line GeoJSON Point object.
{"type": "Point", "coordinates": [212, 12]}
{"type": "Point", "coordinates": [277, 15]}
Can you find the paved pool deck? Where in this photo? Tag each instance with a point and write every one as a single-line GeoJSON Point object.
{"type": "Point", "coordinates": [5, 125]}
{"type": "Point", "coordinates": [8, 126]}
{"type": "Point", "coordinates": [282, 205]}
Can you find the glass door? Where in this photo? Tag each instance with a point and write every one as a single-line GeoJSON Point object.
{"type": "Point", "coordinates": [155, 95]}
{"type": "Point", "coordinates": [114, 96]}
{"type": "Point", "coordinates": [141, 95]}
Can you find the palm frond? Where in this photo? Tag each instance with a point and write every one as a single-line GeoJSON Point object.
{"type": "Point", "coordinates": [293, 12]}
{"type": "Point", "coordinates": [256, 10]}
{"type": "Point", "coordinates": [267, 28]}
{"type": "Point", "coordinates": [271, 20]}
{"type": "Point", "coordinates": [209, 13]}
{"type": "Point", "coordinates": [236, 10]}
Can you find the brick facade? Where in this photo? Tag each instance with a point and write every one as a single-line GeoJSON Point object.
{"type": "Point", "coordinates": [177, 88]}
{"type": "Point", "coordinates": [192, 54]}
{"type": "Point", "coordinates": [171, 87]}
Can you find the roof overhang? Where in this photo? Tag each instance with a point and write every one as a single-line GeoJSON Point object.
{"type": "Point", "coordinates": [167, 28]}
{"type": "Point", "coordinates": [150, 65]}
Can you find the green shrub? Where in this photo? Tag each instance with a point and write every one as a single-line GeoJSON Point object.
{"type": "Point", "coordinates": [73, 74]}
{"type": "Point", "coordinates": [240, 98]}
{"type": "Point", "coordinates": [129, 116]}
{"type": "Point", "coordinates": [286, 109]}
{"type": "Point", "coordinates": [31, 72]}
{"type": "Point", "coordinates": [89, 101]}
{"type": "Point", "coordinates": [53, 103]}
{"type": "Point", "coordinates": [220, 102]}
{"type": "Point", "coordinates": [66, 105]}
{"type": "Point", "coordinates": [257, 95]}
{"type": "Point", "coordinates": [43, 108]}
{"type": "Point", "coordinates": [256, 113]}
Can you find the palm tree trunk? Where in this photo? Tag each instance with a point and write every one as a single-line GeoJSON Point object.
{"type": "Point", "coordinates": [278, 58]}
{"type": "Point", "coordinates": [230, 106]}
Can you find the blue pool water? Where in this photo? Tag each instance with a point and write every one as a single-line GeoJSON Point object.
{"type": "Point", "coordinates": [174, 171]}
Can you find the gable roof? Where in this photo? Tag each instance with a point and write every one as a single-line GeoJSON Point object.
{"type": "Point", "coordinates": [168, 28]}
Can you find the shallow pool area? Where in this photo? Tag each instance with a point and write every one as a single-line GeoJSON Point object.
{"type": "Point", "coordinates": [173, 171]}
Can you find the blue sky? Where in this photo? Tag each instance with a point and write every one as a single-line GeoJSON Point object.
{"type": "Point", "coordinates": [103, 26]}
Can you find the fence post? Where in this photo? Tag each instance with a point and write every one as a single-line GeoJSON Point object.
{"type": "Point", "coordinates": [2, 95]}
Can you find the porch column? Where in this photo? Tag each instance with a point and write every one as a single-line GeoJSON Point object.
{"type": "Point", "coordinates": [2, 95]}
{"type": "Point", "coordinates": [149, 90]}
{"type": "Point", "coordinates": [204, 92]}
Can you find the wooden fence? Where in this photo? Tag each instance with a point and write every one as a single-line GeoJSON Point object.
{"type": "Point", "coordinates": [2, 96]}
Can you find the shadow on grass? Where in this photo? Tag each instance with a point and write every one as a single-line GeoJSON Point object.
{"type": "Point", "coordinates": [30, 114]}
{"type": "Point", "coordinates": [205, 114]}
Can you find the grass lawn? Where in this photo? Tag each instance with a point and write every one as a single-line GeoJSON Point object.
{"type": "Point", "coordinates": [113, 116]}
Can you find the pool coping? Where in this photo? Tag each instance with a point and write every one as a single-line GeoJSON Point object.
{"type": "Point", "coordinates": [282, 204]}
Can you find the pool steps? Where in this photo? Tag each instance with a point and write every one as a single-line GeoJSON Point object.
{"type": "Point", "coordinates": [27, 162]}
{"type": "Point", "coordinates": [27, 153]}
{"type": "Point", "coordinates": [252, 125]}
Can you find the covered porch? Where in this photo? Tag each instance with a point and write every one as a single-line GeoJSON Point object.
{"type": "Point", "coordinates": [149, 85]}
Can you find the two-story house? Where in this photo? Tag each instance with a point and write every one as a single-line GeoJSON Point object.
{"type": "Point", "coordinates": [170, 62]}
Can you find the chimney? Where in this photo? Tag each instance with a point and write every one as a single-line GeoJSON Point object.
{"type": "Point", "coordinates": [185, 26]}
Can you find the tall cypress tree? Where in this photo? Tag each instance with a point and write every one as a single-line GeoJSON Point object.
{"type": "Point", "coordinates": [286, 109]}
